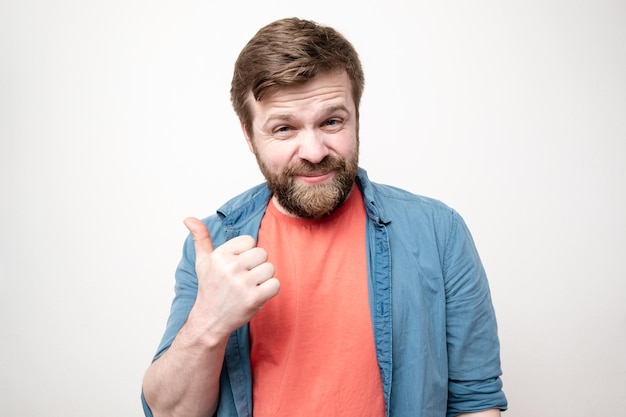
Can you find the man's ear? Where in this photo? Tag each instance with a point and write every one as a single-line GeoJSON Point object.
{"type": "Point", "coordinates": [247, 136]}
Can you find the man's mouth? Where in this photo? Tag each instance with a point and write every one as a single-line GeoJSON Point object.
{"type": "Point", "coordinates": [315, 177]}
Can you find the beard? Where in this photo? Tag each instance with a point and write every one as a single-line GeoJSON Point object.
{"type": "Point", "coordinates": [312, 201]}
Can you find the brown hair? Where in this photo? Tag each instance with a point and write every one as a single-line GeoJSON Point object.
{"type": "Point", "coordinates": [290, 52]}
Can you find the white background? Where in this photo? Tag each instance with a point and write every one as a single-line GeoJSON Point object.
{"type": "Point", "coordinates": [115, 124]}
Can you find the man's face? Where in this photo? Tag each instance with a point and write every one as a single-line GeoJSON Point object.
{"type": "Point", "coordinates": [305, 139]}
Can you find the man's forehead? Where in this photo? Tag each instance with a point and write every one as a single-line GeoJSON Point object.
{"type": "Point", "coordinates": [323, 80]}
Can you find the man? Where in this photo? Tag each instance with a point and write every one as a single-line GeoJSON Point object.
{"type": "Point", "coordinates": [320, 293]}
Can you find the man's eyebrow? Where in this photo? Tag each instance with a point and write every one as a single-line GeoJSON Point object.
{"type": "Point", "coordinates": [338, 107]}
{"type": "Point", "coordinates": [286, 117]}
{"type": "Point", "coordinates": [280, 116]}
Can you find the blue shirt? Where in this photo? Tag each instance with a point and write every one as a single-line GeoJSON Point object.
{"type": "Point", "coordinates": [434, 325]}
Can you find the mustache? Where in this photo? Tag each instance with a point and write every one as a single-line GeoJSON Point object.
{"type": "Point", "coordinates": [327, 164]}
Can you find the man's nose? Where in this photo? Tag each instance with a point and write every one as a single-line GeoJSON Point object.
{"type": "Point", "coordinates": [312, 147]}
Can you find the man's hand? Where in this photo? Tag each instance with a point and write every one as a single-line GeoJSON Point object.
{"type": "Point", "coordinates": [234, 280]}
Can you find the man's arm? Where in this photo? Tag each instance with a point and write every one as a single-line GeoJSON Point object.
{"type": "Point", "coordinates": [473, 346]}
{"type": "Point", "coordinates": [234, 281]}
{"type": "Point", "coordinates": [184, 381]}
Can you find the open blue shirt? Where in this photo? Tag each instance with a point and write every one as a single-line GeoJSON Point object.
{"type": "Point", "coordinates": [434, 325]}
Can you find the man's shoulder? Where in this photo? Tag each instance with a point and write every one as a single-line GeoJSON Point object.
{"type": "Point", "coordinates": [376, 190]}
{"type": "Point", "coordinates": [392, 199]}
{"type": "Point", "coordinates": [251, 198]}
{"type": "Point", "coordinates": [241, 210]}
{"type": "Point", "coordinates": [392, 192]}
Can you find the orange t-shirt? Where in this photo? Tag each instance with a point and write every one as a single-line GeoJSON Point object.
{"type": "Point", "coordinates": [312, 350]}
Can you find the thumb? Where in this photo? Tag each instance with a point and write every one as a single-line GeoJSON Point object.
{"type": "Point", "coordinates": [200, 235]}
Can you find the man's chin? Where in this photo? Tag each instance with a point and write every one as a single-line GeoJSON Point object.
{"type": "Point", "coordinates": [313, 201]}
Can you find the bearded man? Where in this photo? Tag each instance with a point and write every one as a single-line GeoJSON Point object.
{"type": "Point", "coordinates": [319, 292]}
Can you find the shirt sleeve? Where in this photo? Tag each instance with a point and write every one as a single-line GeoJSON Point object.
{"type": "Point", "coordinates": [185, 291]}
{"type": "Point", "coordinates": [474, 369]}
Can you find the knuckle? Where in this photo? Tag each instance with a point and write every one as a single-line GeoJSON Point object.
{"type": "Point", "coordinates": [260, 254]}
{"type": "Point", "coordinates": [243, 239]}
{"type": "Point", "coordinates": [269, 269]}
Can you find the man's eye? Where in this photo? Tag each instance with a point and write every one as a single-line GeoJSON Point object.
{"type": "Point", "coordinates": [282, 129]}
{"type": "Point", "coordinates": [332, 122]}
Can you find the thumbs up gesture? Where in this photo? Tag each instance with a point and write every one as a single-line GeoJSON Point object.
{"type": "Point", "coordinates": [234, 281]}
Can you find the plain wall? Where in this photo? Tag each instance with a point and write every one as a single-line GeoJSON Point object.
{"type": "Point", "coordinates": [115, 124]}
